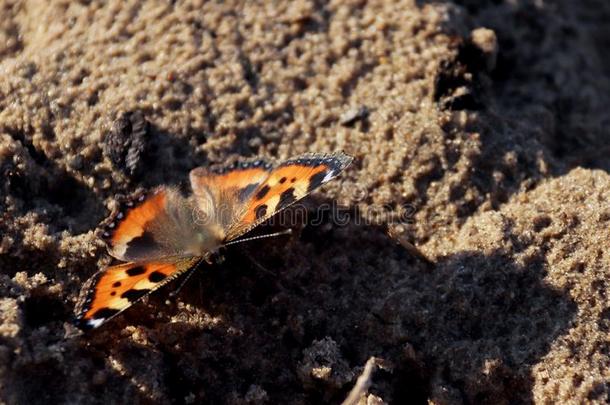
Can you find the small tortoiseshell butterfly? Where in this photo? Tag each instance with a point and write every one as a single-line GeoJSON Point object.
{"type": "Point", "coordinates": [166, 234]}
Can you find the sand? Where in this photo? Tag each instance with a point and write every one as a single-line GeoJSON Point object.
{"type": "Point", "coordinates": [479, 131]}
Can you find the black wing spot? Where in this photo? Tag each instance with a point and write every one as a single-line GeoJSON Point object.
{"type": "Point", "coordinates": [116, 284]}
{"type": "Point", "coordinates": [260, 211]}
{"type": "Point", "coordinates": [104, 313]}
{"type": "Point", "coordinates": [134, 295]}
{"type": "Point", "coordinates": [286, 198]}
{"type": "Point", "coordinates": [135, 271]}
{"type": "Point", "coordinates": [141, 244]}
{"type": "Point", "coordinates": [316, 180]}
{"type": "Point", "coordinates": [113, 293]}
{"type": "Point", "coordinates": [283, 180]}
{"type": "Point", "coordinates": [263, 192]}
{"type": "Point", "coordinates": [292, 180]}
{"type": "Point", "coordinates": [245, 192]}
{"type": "Point", "coordinates": [156, 277]}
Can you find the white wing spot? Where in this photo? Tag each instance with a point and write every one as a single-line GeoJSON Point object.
{"type": "Point", "coordinates": [94, 323]}
{"type": "Point", "coordinates": [329, 176]}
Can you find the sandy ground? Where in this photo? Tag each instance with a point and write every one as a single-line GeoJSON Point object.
{"type": "Point", "coordinates": [483, 140]}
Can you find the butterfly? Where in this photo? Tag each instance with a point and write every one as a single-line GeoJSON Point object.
{"type": "Point", "coordinates": [163, 235]}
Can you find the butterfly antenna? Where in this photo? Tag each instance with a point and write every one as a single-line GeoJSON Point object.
{"type": "Point", "coordinates": [260, 266]}
{"type": "Point", "coordinates": [269, 235]}
{"type": "Point", "coordinates": [186, 278]}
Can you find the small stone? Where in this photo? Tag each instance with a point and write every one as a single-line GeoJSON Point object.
{"type": "Point", "coordinates": [126, 142]}
{"type": "Point", "coordinates": [487, 42]}
{"type": "Point", "coordinates": [353, 114]}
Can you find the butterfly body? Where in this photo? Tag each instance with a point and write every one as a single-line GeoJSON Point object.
{"type": "Point", "coordinates": [164, 234]}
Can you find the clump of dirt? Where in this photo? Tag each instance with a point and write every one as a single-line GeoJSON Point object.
{"type": "Point", "coordinates": [479, 131]}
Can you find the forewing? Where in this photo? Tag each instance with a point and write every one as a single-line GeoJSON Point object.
{"type": "Point", "coordinates": [222, 195]}
{"type": "Point", "coordinates": [287, 183]}
{"type": "Point", "coordinates": [116, 288]}
{"type": "Point", "coordinates": [158, 225]}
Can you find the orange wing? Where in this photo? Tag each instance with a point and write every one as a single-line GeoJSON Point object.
{"type": "Point", "coordinates": [244, 196]}
{"type": "Point", "coordinates": [152, 227]}
{"type": "Point", "coordinates": [116, 288]}
{"type": "Point", "coordinates": [222, 195]}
